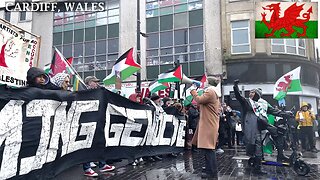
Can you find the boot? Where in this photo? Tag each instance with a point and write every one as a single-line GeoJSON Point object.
{"type": "Point", "coordinates": [257, 167]}
{"type": "Point", "coordinates": [280, 146]}
{"type": "Point", "coordinates": [211, 170]}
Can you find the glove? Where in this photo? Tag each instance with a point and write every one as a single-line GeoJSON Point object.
{"type": "Point", "coordinates": [236, 82]}
{"type": "Point", "coordinates": [197, 83]}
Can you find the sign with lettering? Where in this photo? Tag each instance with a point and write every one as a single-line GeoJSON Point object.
{"type": "Point", "coordinates": [43, 132]}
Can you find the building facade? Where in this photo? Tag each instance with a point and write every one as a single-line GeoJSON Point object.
{"type": "Point", "coordinates": [204, 36]}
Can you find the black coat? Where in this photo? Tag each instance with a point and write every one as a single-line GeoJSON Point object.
{"type": "Point", "coordinates": [35, 72]}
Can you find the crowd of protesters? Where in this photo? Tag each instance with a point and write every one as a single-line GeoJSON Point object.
{"type": "Point", "coordinates": [229, 128]}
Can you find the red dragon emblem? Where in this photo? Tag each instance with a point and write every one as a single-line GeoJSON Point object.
{"type": "Point", "coordinates": [288, 21]}
{"type": "Point", "coordinates": [284, 86]}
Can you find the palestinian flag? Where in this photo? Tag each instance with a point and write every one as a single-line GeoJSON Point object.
{"type": "Point", "coordinates": [125, 65]}
{"type": "Point", "coordinates": [286, 20]}
{"type": "Point", "coordinates": [59, 64]}
{"type": "Point", "coordinates": [188, 99]}
{"type": "Point", "coordinates": [289, 82]}
{"type": "Point", "coordinates": [156, 86]}
{"type": "Point", "coordinates": [174, 75]}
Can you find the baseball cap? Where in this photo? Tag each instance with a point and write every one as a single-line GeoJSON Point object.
{"type": "Point", "coordinates": [91, 78]}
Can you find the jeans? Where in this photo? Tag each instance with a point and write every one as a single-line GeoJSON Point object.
{"type": "Point", "coordinates": [86, 166]}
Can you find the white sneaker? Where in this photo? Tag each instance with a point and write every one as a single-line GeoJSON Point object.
{"type": "Point", "coordinates": [89, 172]}
{"type": "Point", "coordinates": [107, 168]}
{"type": "Point", "coordinates": [141, 159]}
{"type": "Point", "coordinates": [93, 165]}
{"type": "Point", "coordinates": [219, 151]}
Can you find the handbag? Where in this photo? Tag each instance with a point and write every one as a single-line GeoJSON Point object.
{"type": "Point", "coordinates": [238, 127]}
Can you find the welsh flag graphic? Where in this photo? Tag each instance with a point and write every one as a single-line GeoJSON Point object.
{"type": "Point", "coordinates": [156, 86]}
{"type": "Point", "coordinates": [125, 65]}
{"type": "Point", "coordinates": [174, 75]}
{"type": "Point", "coordinates": [286, 20]}
{"type": "Point", "coordinates": [289, 82]}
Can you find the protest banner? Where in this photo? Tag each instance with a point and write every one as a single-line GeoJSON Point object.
{"type": "Point", "coordinates": [18, 53]}
{"type": "Point", "coordinates": [44, 132]}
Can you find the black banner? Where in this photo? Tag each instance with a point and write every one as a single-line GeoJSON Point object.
{"type": "Point", "coordinates": [43, 132]}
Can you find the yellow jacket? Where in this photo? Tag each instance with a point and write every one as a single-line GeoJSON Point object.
{"type": "Point", "coordinates": [308, 118]}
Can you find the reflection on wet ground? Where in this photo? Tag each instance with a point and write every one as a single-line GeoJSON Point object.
{"type": "Point", "coordinates": [188, 165]}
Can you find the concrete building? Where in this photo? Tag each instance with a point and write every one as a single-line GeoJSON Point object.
{"type": "Point", "coordinates": [202, 35]}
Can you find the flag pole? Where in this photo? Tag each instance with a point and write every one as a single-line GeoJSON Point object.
{"type": "Point", "coordinates": [138, 88]}
{"type": "Point", "coordinates": [75, 72]}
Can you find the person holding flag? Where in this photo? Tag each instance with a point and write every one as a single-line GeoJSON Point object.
{"type": "Point", "coordinates": [254, 120]}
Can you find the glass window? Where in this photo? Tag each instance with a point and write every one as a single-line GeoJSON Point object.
{"type": "Point", "coordinates": [240, 39]}
{"type": "Point", "coordinates": [57, 29]}
{"type": "Point", "coordinates": [102, 21]}
{"type": "Point", "coordinates": [196, 17]}
{"type": "Point", "coordinates": [112, 57]}
{"type": "Point", "coordinates": [113, 19]}
{"type": "Point", "coordinates": [113, 45]}
{"type": "Point", "coordinates": [67, 37]}
{"type": "Point", "coordinates": [153, 40]}
{"type": "Point", "coordinates": [68, 27]}
{"type": "Point", "coordinates": [166, 10]}
{"type": "Point", "coordinates": [57, 38]}
{"type": "Point", "coordinates": [290, 46]}
{"type": "Point", "coordinates": [166, 22]}
{"type": "Point", "coordinates": [79, 25]}
{"type": "Point", "coordinates": [89, 59]}
{"type": "Point", "coordinates": [196, 35]}
{"type": "Point", "coordinates": [101, 47]}
{"type": "Point", "coordinates": [197, 56]}
{"type": "Point", "coordinates": [91, 23]}
{"type": "Point", "coordinates": [23, 16]}
{"type": "Point", "coordinates": [166, 59]}
{"type": "Point", "coordinates": [113, 30]}
{"type": "Point", "coordinates": [152, 61]}
{"type": "Point", "coordinates": [67, 51]}
{"type": "Point", "coordinates": [79, 17]}
{"type": "Point", "coordinates": [102, 14]}
{"type": "Point", "coordinates": [181, 37]}
{"type": "Point", "coordinates": [113, 12]}
{"type": "Point", "coordinates": [7, 15]}
{"type": "Point", "coordinates": [113, 4]}
{"type": "Point", "coordinates": [110, 64]}
{"type": "Point", "coordinates": [180, 49]}
{"type": "Point", "coordinates": [195, 5]}
{"type": "Point", "coordinates": [58, 15]}
{"type": "Point", "coordinates": [78, 50]}
{"type": "Point", "coordinates": [78, 35]}
{"type": "Point", "coordinates": [89, 48]}
{"type": "Point", "coordinates": [152, 24]}
{"type": "Point", "coordinates": [181, 58]}
{"type": "Point", "coordinates": [166, 39]}
{"type": "Point", "coordinates": [101, 32]}
{"type": "Point", "coordinates": [152, 13]}
{"type": "Point", "coordinates": [181, 8]}
{"type": "Point", "coordinates": [152, 53]}
{"type": "Point", "coordinates": [166, 51]}
{"type": "Point", "coordinates": [101, 58]}
{"type": "Point", "coordinates": [181, 20]}
{"type": "Point", "coordinates": [77, 61]}
{"type": "Point", "coordinates": [89, 34]}
{"type": "Point", "coordinates": [101, 74]}
{"type": "Point", "coordinates": [198, 47]}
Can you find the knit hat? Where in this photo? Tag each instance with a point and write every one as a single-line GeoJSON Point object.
{"type": "Point", "coordinates": [258, 91]}
{"type": "Point", "coordinates": [59, 78]}
{"type": "Point", "coordinates": [154, 97]}
{"type": "Point", "coordinates": [213, 81]}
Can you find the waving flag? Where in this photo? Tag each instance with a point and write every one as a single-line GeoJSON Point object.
{"type": "Point", "coordinates": [188, 99]}
{"type": "Point", "coordinates": [289, 82]}
{"type": "Point", "coordinates": [125, 65]}
{"type": "Point", "coordinates": [60, 64]}
{"type": "Point", "coordinates": [156, 86]}
{"type": "Point", "coordinates": [174, 75]}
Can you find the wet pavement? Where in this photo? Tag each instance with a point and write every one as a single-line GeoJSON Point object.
{"type": "Point", "coordinates": [232, 164]}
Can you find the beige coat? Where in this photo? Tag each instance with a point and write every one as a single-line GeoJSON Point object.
{"type": "Point", "coordinates": [206, 134]}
